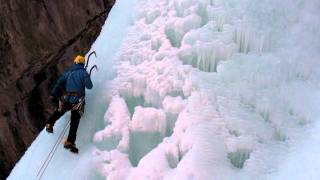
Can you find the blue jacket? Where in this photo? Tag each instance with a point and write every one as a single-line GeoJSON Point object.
{"type": "Point", "coordinates": [76, 79]}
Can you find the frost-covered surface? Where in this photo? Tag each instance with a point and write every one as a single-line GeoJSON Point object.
{"type": "Point", "coordinates": [231, 81]}
{"type": "Point", "coordinates": [210, 89]}
{"type": "Point", "coordinates": [65, 165]}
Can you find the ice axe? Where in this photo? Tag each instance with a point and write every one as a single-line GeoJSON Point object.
{"type": "Point", "coordinates": [93, 52]}
{"type": "Point", "coordinates": [87, 64]}
{"type": "Point", "coordinates": [93, 67]}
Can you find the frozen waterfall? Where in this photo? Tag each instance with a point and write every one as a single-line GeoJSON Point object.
{"type": "Point", "coordinates": [197, 89]}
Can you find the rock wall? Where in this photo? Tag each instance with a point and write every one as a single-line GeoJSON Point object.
{"type": "Point", "coordinates": [38, 40]}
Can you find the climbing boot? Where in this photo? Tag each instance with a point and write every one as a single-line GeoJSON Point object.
{"type": "Point", "coordinates": [71, 146]}
{"type": "Point", "coordinates": [49, 128]}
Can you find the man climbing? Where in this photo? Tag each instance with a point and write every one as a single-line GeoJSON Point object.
{"type": "Point", "coordinates": [70, 90]}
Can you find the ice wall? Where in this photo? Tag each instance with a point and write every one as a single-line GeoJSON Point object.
{"type": "Point", "coordinates": [215, 90]}
{"type": "Point", "coordinates": [64, 165]}
{"type": "Point", "coordinates": [200, 89]}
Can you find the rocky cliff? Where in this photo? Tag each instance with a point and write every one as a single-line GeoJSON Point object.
{"type": "Point", "coordinates": [38, 40]}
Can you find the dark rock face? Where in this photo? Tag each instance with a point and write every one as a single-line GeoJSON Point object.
{"type": "Point", "coordinates": [38, 40]}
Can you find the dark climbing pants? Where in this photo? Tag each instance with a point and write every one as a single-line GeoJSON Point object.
{"type": "Point", "coordinates": [75, 119]}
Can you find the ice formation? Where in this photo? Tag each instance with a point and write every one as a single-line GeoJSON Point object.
{"type": "Point", "coordinates": [207, 89]}
{"type": "Point", "coordinates": [235, 112]}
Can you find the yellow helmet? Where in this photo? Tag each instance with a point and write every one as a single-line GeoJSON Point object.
{"type": "Point", "coordinates": [79, 59]}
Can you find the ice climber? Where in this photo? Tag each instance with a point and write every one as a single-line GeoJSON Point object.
{"type": "Point", "coordinates": [70, 91]}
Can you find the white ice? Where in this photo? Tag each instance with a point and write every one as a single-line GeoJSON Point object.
{"type": "Point", "coordinates": [198, 89]}
{"type": "Point", "coordinates": [65, 165]}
